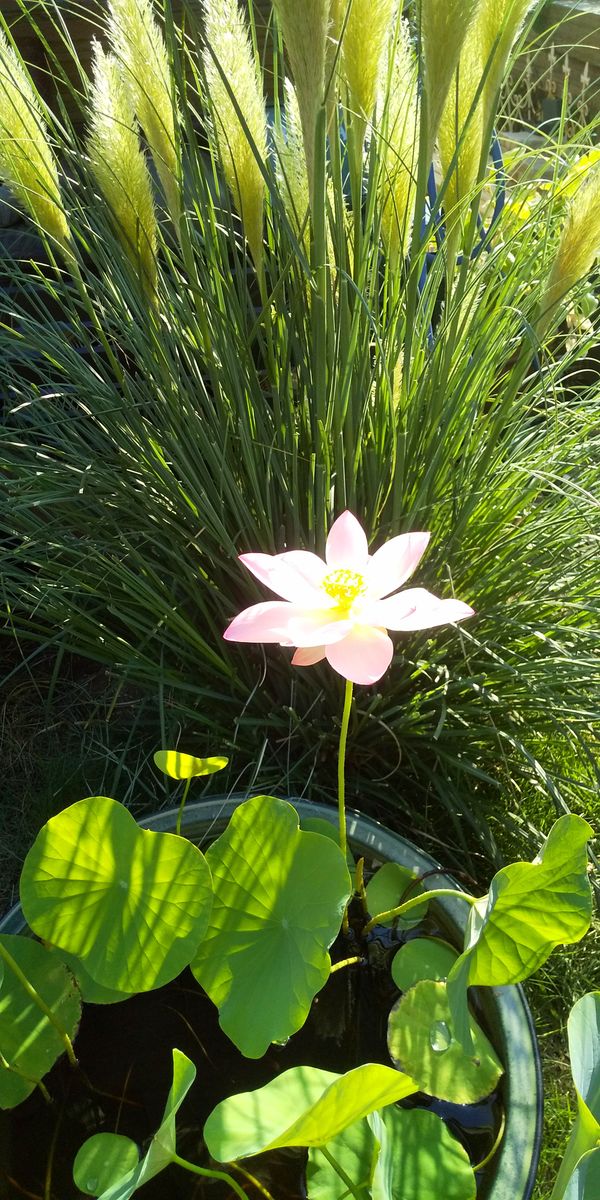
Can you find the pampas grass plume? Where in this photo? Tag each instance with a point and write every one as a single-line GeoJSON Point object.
{"type": "Point", "coordinates": [365, 42]}
{"type": "Point", "coordinates": [228, 42]}
{"type": "Point", "coordinates": [402, 148]}
{"type": "Point", "coordinates": [140, 48]}
{"type": "Point", "coordinates": [464, 124]}
{"type": "Point", "coordinates": [305, 27]}
{"type": "Point", "coordinates": [577, 249]}
{"type": "Point", "coordinates": [444, 25]}
{"type": "Point", "coordinates": [27, 163]}
{"type": "Point", "coordinates": [120, 166]}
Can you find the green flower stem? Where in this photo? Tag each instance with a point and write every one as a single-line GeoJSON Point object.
{"type": "Point", "coordinates": [39, 1002]}
{"type": "Point", "coordinates": [182, 805]}
{"type": "Point", "coordinates": [352, 1188]}
{"type": "Point", "coordinates": [346, 962]}
{"type": "Point", "coordinates": [260, 1187]}
{"type": "Point", "coordinates": [28, 1078]}
{"type": "Point", "coordinates": [208, 1174]}
{"type": "Point", "coordinates": [392, 913]}
{"type": "Point", "coordinates": [342, 766]}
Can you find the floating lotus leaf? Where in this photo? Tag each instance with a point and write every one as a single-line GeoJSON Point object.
{"type": "Point", "coordinates": [304, 1106]}
{"type": "Point", "coordinates": [279, 898]}
{"type": "Point", "coordinates": [29, 1043]}
{"type": "Point", "coordinates": [102, 1159]}
{"type": "Point", "coordinates": [422, 958]}
{"type": "Point", "coordinates": [422, 1040]}
{"type": "Point", "coordinates": [390, 886]}
{"type": "Point", "coordinates": [132, 905]}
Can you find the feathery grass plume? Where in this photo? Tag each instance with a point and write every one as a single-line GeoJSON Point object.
{"type": "Point", "coordinates": [577, 249]}
{"type": "Point", "coordinates": [304, 27]}
{"type": "Point", "coordinates": [27, 163]}
{"type": "Point", "coordinates": [463, 124]}
{"type": "Point", "coordinates": [140, 48]}
{"type": "Point", "coordinates": [443, 26]}
{"type": "Point", "coordinates": [291, 165]}
{"type": "Point", "coordinates": [366, 39]}
{"type": "Point", "coordinates": [228, 41]}
{"type": "Point", "coordinates": [293, 175]}
{"type": "Point", "coordinates": [120, 168]}
{"type": "Point", "coordinates": [398, 183]}
{"type": "Point", "coordinates": [337, 14]}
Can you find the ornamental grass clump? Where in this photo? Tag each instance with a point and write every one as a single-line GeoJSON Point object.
{"type": "Point", "coordinates": [335, 327]}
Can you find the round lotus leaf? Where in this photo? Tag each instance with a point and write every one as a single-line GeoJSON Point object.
{"type": "Point", "coordinates": [422, 958]}
{"type": "Point", "coordinates": [29, 1043]}
{"type": "Point", "coordinates": [279, 898]}
{"type": "Point", "coordinates": [91, 992]}
{"type": "Point", "coordinates": [421, 1041]}
{"type": "Point", "coordinates": [103, 1161]}
{"type": "Point", "coordinates": [185, 766]}
{"type": "Point", "coordinates": [131, 904]}
{"type": "Point", "coordinates": [390, 886]}
{"type": "Point", "coordinates": [329, 830]}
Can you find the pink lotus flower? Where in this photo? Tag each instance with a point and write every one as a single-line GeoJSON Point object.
{"type": "Point", "coordinates": [335, 609]}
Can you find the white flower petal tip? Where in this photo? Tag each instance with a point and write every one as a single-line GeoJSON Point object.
{"type": "Point", "coordinates": [347, 545]}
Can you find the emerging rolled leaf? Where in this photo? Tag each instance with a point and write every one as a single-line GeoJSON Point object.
{"type": "Point", "coordinates": [119, 1177]}
{"type": "Point", "coordinates": [579, 1175]}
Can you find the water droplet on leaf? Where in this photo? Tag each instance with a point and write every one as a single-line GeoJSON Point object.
{"type": "Point", "coordinates": [440, 1037]}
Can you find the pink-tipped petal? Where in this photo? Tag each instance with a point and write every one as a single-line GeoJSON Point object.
{"type": "Point", "coordinates": [296, 576]}
{"type": "Point", "coordinates": [394, 562]}
{"type": "Point", "coordinates": [414, 609]}
{"type": "Point", "coordinates": [364, 656]}
{"type": "Point", "coordinates": [268, 622]}
{"type": "Point", "coordinates": [347, 544]}
{"type": "Point", "coordinates": [308, 657]}
{"type": "Point", "coordinates": [314, 628]}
